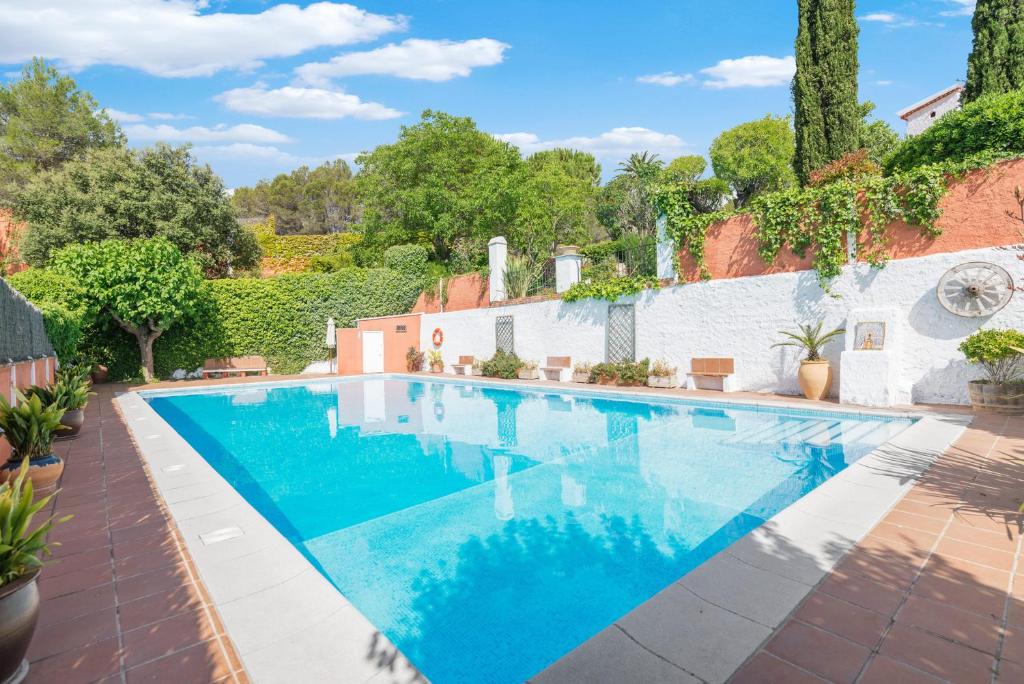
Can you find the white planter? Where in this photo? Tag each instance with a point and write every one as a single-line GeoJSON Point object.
{"type": "Point", "coordinates": [663, 382]}
{"type": "Point", "coordinates": [581, 377]}
{"type": "Point", "coordinates": [526, 374]}
{"type": "Point", "coordinates": [476, 371]}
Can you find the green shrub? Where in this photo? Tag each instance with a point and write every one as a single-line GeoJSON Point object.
{"type": "Point", "coordinates": [851, 166]}
{"type": "Point", "coordinates": [408, 259]}
{"type": "Point", "coordinates": [282, 318]}
{"type": "Point", "coordinates": [998, 352]}
{"type": "Point", "coordinates": [64, 329]}
{"type": "Point", "coordinates": [622, 373]}
{"type": "Point", "coordinates": [502, 365]}
{"type": "Point", "coordinates": [66, 308]}
{"type": "Point", "coordinates": [993, 124]}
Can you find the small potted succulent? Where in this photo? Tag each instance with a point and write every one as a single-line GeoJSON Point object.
{"type": "Point", "coordinates": [477, 368]}
{"type": "Point", "coordinates": [435, 360]}
{"type": "Point", "coordinates": [414, 360]}
{"type": "Point", "coordinates": [29, 428]}
{"type": "Point", "coordinates": [815, 375]}
{"type": "Point", "coordinates": [1000, 353]}
{"type": "Point", "coordinates": [70, 391]}
{"type": "Point", "coordinates": [529, 371]}
{"type": "Point", "coordinates": [662, 375]}
{"type": "Point", "coordinates": [21, 549]}
{"type": "Point", "coordinates": [581, 372]}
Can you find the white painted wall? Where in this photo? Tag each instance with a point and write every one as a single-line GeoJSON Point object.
{"type": "Point", "coordinates": [922, 119]}
{"type": "Point", "coordinates": [741, 318]}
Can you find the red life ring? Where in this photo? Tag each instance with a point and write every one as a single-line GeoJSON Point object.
{"type": "Point", "coordinates": [438, 337]}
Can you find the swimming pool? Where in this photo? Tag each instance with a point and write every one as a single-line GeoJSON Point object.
{"type": "Point", "coordinates": [491, 529]}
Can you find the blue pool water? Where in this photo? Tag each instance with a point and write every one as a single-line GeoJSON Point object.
{"type": "Point", "coordinates": [487, 530]}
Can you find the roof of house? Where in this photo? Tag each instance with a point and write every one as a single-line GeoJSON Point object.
{"type": "Point", "coordinates": [930, 100]}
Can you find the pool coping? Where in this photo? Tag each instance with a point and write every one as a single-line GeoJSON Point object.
{"type": "Point", "coordinates": [700, 628]}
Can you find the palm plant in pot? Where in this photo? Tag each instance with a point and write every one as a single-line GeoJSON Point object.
{"type": "Point", "coordinates": [29, 428]}
{"type": "Point", "coordinates": [1001, 354]}
{"type": "Point", "coordinates": [21, 549]}
{"type": "Point", "coordinates": [815, 376]}
{"type": "Point", "coordinates": [70, 391]}
{"type": "Point", "coordinates": [436, 360]}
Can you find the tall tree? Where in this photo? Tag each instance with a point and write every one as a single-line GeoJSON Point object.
{"type": "Point", "coordinates": [315, 201]}
{"type": "Point", "coordinates": [755, 157]}
{"type": "Point", "coordinates": [827, 113]}
{"type": "Point", "coordinates": [996, 63]}
{"type": "Point", "coordinates": [122, 193]}
{"type": "Point", "coordinates": [556, 201]}
{"type": "Point", "coordinates": [45, 120]}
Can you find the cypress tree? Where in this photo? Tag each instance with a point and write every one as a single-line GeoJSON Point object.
{"type": "Point", "coordinates": [996, 64]}
{"type": "Point", "coordinates": [827, 116]}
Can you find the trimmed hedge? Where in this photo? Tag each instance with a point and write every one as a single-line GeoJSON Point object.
{"type": "Point", "coordinates": [64, 329]}
{"type": "Point", "coordinates": [408, 259]}
{"type": "Point", "coordinates": [282, 319]}
{"type": "Point", "coordinates": [292, 246]}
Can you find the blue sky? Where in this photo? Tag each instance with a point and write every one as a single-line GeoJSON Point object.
{"type": "Point", "coordinates": [260, 87]}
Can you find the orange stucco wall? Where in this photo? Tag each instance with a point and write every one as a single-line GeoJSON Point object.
{"type": "Point", "coordinates": [22, 373]}
{"type": "Point", "coordinates": [396, 344]}
{"type": "Point", "coordinates": [978, 211]}
{"type": "Point", "coordinates": [468, 291]}
{"type": "Point", "coordinates": [9, 232]}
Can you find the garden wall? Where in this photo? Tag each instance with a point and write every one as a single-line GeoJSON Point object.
{"type": "Point", "coordinates": [467, 291]}
{"type": "Point", "coordinates": [741, 316]}
{"type": "Point", "coordinates": [18, 376]}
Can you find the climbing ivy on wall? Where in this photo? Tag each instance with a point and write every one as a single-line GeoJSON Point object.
{"type": "Point", "coordinates": [610, 288]}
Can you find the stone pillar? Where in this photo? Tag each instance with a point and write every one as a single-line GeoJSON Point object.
{"type": "Point", "coordinates": [568, 267]}
{"type": "Point", "coordinates": [666, 251]}
{"type": "Point", "coordinates": [497, 256]}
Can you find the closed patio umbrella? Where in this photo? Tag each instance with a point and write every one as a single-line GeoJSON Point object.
{"type": "Point", "coordinates": [331, 340]}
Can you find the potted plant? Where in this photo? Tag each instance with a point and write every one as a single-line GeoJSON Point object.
{"type": "Point", "coordinates": [581, 372]}
{"type": "Point", "coordinates": [999, 353]}
{"type": "Point", "coordinates": [414, 360]}
{"type": "Point", "coordinates": [436, 361]}
{"type": "Point", "coordinates": [662, 375]}
{"type": "Point", "coordinates": [502, 365]}
{"type": "Point", "coordinates": [477, 368]}
{"type": "Point", "coordinates": [70, 391]}
{"type": "Point", "coordinates": [21, 548]}
{"type": "Point", "coordinates": [97, 371]}
{"type": "Point", "coordinates": [633, 373]}
{"type": "Point", "coordinates": [29, 428]}
{"type": "Point", "coordinates": [604, 373]}
{"type": "Point", "coordinates": [528, 371]}
{"type": "Point", "coordinates": [815, 376]}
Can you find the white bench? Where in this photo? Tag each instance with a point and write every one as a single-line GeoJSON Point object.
{"type": "Point", "coordinates": [558, 368]}
{"type": "Point", "coordinates": [464, 366]}
{"type": "Point", "coordinates": [713, 367]}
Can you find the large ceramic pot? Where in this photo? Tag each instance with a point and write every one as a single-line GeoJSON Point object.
{"type": "Point", "coordinates": [44, 473]}
{"type": "Point", "coordinates": [815, 378]}
{"type": "Point", "coordinates": [436, 367]}
{"type": "Point", "coordinates": [1006, 399]}
{"type": "Point", "coordinates": [73, 421]}
{"type": "Point", "coordinates": [99, 374]}
{"type": "Point", "coordinates": [19, 611]}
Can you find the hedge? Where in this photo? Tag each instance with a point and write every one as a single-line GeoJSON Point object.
{"type": "Point", "coordinates": [282, 319]}
{"type": "Point", "coordinates": [64, 304]}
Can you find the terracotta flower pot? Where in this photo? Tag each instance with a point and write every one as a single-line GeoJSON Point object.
{"type": "Point", "coordinates": [815, 378]}
{"type": "Point", "coordinates": [19, 612]}
{"type": "Point", "coordinates": [436, 367]}
{"type": "Point", "coordinates": [73, 421]}
{"type": "Point", "coordinates": [1004, 399]}
{"type": "Point", "coordinates": [99, 374]}
{"type": "Point", "coordinates": [44, 473]}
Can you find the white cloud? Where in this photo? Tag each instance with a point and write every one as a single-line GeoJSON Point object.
{"type": "Point", "coordinates": [175, 38]}
{"type": "Point", "coordinates": [425, 60]}
{"type": "Point", "coordinates": [880, 17]}
{"type": "Point", "coordinates": [616, 142]}
{"type": "Point", "coordinates": [165, 116]}
{"type": "Point", "coordinates": [883, 83]}
{"type": "Point", "coordinates": [666, 78]}
{"type": "Point", "coordinates": [265, 154]}
{"type": "Point", "coordinates": [306, 103]}
{"type": "Point", "coordinates": [754, 71]}
{"type": "Point", "coordinates": [964, 8]}
{"type": "Point", "coordinates": [123, 117]}
{"type": "Point", "coordinates": [246, 133]}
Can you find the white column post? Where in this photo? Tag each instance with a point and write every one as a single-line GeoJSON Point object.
{"type": "Point", "coordinates": [666, 251]}
{"type": "Point", "coordinates": [497, 256]}
{"type": "Point", "coordinates": [568, 267]}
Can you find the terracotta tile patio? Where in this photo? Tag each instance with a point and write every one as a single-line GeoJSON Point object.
{"type": "Point", "coordinates": [935, 593]}
{"type": "Point", "coordinates": [121, 601]}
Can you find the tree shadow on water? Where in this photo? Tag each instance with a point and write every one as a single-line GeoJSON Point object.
{"type": "Point", "coordinates": [518, 599]}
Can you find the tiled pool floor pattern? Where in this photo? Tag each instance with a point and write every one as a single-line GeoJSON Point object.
{"type": "Point", "coordinates": [121, 601]}
{"type": "Point", "coordinates": [935, 593]}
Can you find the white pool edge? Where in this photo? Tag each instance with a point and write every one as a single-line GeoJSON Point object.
{"type": "Point", "coordinates": [289, 623]}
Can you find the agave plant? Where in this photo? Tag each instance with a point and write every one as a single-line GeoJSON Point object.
{"type": "Point", "coordinates": [810, 338]}
{"type": "Point", "coordinates": [29, 425]}
{"type": "Point", "coordinates": [70, 390]}
{"type": "Point", "coordinates": [21, 549]}
{"type": "Point", "coordinates": [521, 274]}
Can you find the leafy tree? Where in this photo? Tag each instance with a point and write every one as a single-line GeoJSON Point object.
{"type": "Point", "coordinates": [146, 286]}
{"type": "Point", "coordinates": [687, 168]}
{"type": "Point", "coordinates": [445, 183]}
{"type": "Point", "coordinates": [876, 136]}
{"type": "Point", "coordinates": [556, 201]}
{"type": "Point", "coordinates": [827, 116]}
{"type": "Point", "coordinates": [625, 206]}
{"type": "Point", "coordinates": [642, 166]}
{"type": "Point", "coordinates": [45, 121]}
{"type": "Point", "coordinates": [321, 200]}
{"type": "Point", "coordinates": [996, 62]}
{"type": "Point", "coordinates": [115, 192]}
{"type": "Point", "coordinates": [755, 157]}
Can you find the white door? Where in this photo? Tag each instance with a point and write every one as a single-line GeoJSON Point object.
{"type": "Point", "coordinates": [373, 351]}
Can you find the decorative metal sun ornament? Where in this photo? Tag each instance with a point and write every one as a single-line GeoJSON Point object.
{"type": "Point", "coordinates": [975, 289]}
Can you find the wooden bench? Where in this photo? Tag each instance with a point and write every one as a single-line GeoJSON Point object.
{"type": "Point", "coordinates": [237, 365]}
{"type": "Point", "coordinates": [557, 368]}
{"type": "Point", "coordinates": [464, 366]}
{"type": "Point", "coordinates": [722, 367]}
